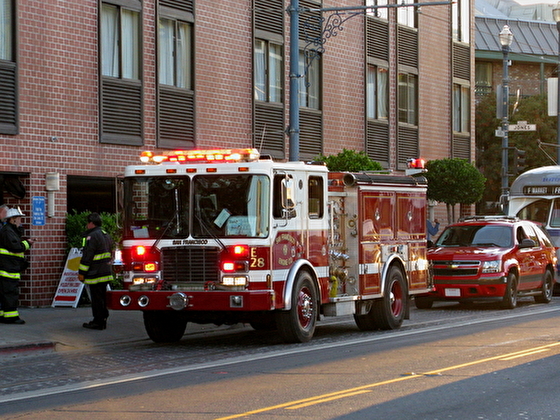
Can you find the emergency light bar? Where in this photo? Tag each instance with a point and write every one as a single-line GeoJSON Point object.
{"type": "Point", "coordinates": [415, 166]}
{"type": "Point", "coordinates": [415, 163]}
{"type": "Point", "coordinates": [202, 156]}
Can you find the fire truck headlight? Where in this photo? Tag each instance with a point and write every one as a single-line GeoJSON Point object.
{"type": "Point", "coordinates": [143, 283]}
{"type": "Point", "coordinates": [234, 281]}
{"type": "Point", "coordinates": [178, 301]}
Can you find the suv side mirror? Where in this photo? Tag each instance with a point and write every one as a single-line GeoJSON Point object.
{"type": "Point", "coordinates": [527, 243]}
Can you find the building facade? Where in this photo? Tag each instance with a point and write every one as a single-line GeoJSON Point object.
{"type": "Point", "coordinates": [86, 85]}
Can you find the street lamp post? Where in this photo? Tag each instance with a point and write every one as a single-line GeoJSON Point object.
{"type": "Point", "coordinates": [556, 14]}
{"type": "Point", "coordinates": [506, 38]}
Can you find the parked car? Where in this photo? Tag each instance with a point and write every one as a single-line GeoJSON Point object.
{"type": "Point", "coordinates": [491, 258]}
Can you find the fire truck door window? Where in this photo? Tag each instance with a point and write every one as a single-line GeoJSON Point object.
{"type": "Point", "coordinates": [231, 205]}
{"type": "Point", "coordinates": [315, 197]}
{"type": "Point", "coordinates": [283, 196]}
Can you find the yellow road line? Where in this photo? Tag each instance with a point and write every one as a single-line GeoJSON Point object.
{"type": "Point", "coordinates": [364, 388]}
{"type": "Point", "coordinates": [525, 354]}
{"type": "Point", "coordinates": [322, 400]}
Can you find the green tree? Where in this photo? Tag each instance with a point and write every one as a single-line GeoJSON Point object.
{"type": "Point", "coordinates": [532, 109]}
{"type": "Point", "coordinates": [454, 181]}
{"type": "Point", "coordinates": [350, 161]}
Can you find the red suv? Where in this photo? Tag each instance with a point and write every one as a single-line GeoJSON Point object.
{"type": "Point", "coordinates": [488, 257]}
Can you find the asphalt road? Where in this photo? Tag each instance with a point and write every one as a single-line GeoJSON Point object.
{"type": "Point", "coordinates": [451, 362]}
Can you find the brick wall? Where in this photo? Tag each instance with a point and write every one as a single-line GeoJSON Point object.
{"type": "Point", "coordinates": [59, 110]}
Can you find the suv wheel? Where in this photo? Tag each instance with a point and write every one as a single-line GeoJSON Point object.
{"type": "Point", "coordinates": [510, 296]}
{"type": "Point", "coordinates": [546, 290]}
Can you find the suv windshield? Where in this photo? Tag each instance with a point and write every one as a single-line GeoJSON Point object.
{"type": "Point", "coordinates": [206, 206]}
{"type": "Point", "coordinates": [477, 235]}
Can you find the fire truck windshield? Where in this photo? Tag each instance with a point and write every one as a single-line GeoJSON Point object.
{"type": "Point", "coordinates": [204, 206]}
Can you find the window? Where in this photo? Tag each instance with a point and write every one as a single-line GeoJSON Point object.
{"type": "Point", "coordinates": [6, 30]}
{"type": "Point", "coordinates": [8, 69]}
{"type": "Point", "coordinates": [315, 197]}
{"type": "Point", "coordinates": [309, 84]}
{"type": "Point", "coordinates": [461, 108]}
{"type": "Point", "coordinates": [120, 42]}
{"type": "Point", "coordinates": [175, 52]}
{"type": "Point", "coordinates": [381, 12]}
{"type": "Point", "coordinates": [377, 92]}
{"type": "Point", "coordinates": [407, 15]}
{"type": "Point", "coordinates": [408, 98]}
{"type": "Point", "coordinates": [461, 20]}
{"type": "Point", "coordinates": [268, 71]}
{"type": "Point", "coordinates": [483, 77]}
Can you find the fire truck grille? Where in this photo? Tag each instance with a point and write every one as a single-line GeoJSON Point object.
{"type": "Point", "coordinates": [455, 268]}
{"type": "Point", "coordinates": [190, 265]}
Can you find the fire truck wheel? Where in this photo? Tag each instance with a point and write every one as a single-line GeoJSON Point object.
{"type": "Point", "coordinates": [297, 325]}
{"type": "Point", "coordinates": [423, 302]}
{"type": "Point", "coordinates": [546, 290]}
{"type": "Point", "coordinates": [510, 296]}
{"type": "Point", "coordinates": [266, 322]}
{"type": "Point", "coordinates": [164, 326]}
{"type": "Point", "coordinates": [389, 312]}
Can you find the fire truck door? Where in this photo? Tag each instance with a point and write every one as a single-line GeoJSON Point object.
{"type": "Point", "coordinates": [377, 212]}
{"type": "Point", "coordinates": [288, 242]}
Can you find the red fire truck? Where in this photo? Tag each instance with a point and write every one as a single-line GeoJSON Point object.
{"type": "Point", "coordinates": [228, 236]}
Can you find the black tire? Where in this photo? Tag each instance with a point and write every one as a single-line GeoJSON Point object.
{"type": "Point", "coordinates": [546, 290]}
{"type": "Point", "coordinates": [389, 312]}
{"type": "Point", "coordinates": [366, 322]}
{"type": "Point", "coordinates": [423, 302]}
{"type": "Point", "coordinates": [165, 326]}
{"type": "Point", "coordinates": [297, 325]}
{"type": "Point", "coordinates": [510, 296]}
{"type": "Point", "coordinates": [265, 322]}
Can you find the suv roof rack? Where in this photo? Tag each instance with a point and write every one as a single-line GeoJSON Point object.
{"type": "Point", "coordinates": [492, 218]}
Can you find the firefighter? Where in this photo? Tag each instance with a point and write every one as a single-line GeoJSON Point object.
{"type": "Point", "coordinates": [12, 264]}
{"type": "Point", "coordinates": [95, 269]}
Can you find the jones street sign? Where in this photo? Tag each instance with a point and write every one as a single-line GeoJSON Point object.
{"type": "Point", "coordinates": [522, 126]}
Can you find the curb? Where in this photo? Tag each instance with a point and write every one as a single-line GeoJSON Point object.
{"type": "Point", "coordinates": [27, 349]}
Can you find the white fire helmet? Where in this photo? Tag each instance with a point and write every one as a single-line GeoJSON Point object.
{"type": "Point", "coordinates": [14, 213]}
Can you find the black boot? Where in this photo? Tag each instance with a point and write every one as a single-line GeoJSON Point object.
{"type": "Point", "coordinates": [16, 320]}
{"type": "Point", "coordinates": [92, 325]}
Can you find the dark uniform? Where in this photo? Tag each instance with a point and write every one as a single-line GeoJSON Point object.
{"type": "Point", "coordinates": [95, 267]}
{"type": "Point", "coordinates": [12, 264]}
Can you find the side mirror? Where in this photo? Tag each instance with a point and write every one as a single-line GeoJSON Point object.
{"type": "Point", "coordinates": [527, 243]}
{"type": "Point", "coordinates": [288, 193]}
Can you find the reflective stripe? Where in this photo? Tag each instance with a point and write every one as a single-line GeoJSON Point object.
{"type": "Point", "coordinates": [4, 251]}
{"type": "Point", "coordinates": [98, 280]}
{"type": "Point", "coordinates": [83, 267]}
{"type": "Point", "coordinates": [102, 256]}
{"type": "Point", "coordinates": [13, 276]}
{"type": "Point", "coordinates": [11, 314]}
{"type": "Point", "coordinates": [1, 313]}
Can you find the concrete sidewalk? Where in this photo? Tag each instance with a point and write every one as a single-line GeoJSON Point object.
{"type": "Point", "coordinates": [59, 329]}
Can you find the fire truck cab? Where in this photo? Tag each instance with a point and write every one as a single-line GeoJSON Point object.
{"type": "Point", "coordinates": [227, 236]}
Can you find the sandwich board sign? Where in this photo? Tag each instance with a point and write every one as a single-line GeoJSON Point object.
{"type": "Point", "coordinates": [69, 288]}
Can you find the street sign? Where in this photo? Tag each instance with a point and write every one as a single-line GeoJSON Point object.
{"type": "Point", "coordinates": [499, 132]}
{"type": "Point", "coordinates": [522, 126]}
{"type": "Point", "coordinates": [38, 211]}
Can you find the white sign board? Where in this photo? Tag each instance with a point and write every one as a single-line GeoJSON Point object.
{"type": "Point", "coordinates": [552, 96]}
{"type": "Point", "coordinates": [522, 126]}
{"type": "Point", "coordinates": [69, 288]}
